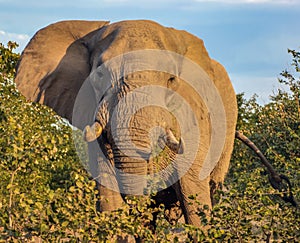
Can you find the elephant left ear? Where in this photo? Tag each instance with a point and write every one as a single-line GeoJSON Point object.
{"type": "Point", "coordinates": [55, 63]}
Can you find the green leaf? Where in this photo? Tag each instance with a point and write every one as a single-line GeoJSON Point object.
{"type": "Point", "coordinates": [64, 224]}
{"type": "Point", "coordinates": [79, 184]}
{"type": "Point", "coordinates": [39, 205]}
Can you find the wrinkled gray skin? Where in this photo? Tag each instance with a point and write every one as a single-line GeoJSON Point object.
{"type": "Point", "coordinates": [60, 57]}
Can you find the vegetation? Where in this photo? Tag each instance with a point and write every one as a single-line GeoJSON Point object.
{"type": "Point", "coordinates": [46, 193]}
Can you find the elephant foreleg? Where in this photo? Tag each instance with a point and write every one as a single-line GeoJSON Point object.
{"type": "Point", "coordinates": [110, 200]}
{"type": "Point", "coordinates": [201, 191]}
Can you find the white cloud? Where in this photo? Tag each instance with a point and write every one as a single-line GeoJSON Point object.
{"type": "Point", "coordinates": [250, 1]}
{"type": "Point", "coordinates": [21, 39]}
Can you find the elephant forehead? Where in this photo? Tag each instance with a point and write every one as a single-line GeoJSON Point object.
{"type": "Point", "coordinates": [125, 36]}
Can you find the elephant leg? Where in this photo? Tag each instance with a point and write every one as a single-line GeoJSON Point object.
{"type": "Point", "coordinates": [190, 184]}
{"type": "Point", "coordinates": [110, 200]}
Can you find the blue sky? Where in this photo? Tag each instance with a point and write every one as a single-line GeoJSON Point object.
{"type": "Point", "coordinates": [249, 37]}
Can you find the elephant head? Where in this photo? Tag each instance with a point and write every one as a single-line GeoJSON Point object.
{"type": "Point", "coordinates": [126, 85]}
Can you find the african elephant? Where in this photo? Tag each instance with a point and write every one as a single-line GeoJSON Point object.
{"type": "Point", "coordinates": [135, 76]}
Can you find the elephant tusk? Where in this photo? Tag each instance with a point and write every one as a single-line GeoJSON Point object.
{"type": "Point", "coordinates": [92, 133]}
{"type": "Point", "coordinates": [173, 143]}
{"type": "Point", "coordinates": [181, 146]}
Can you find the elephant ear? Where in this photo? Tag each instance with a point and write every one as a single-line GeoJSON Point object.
{"type": "Point", "coordinates": [55, 63]}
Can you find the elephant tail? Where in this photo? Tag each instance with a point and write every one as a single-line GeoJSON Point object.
{"type": "Point", "coordinates": [277, 180]}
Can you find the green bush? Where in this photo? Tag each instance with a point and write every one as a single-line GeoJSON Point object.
{"type": "Point", "coordinates": [45, 192]}
{"type": "Point", "coordinates": [42, 183]}
{"type": "Point", "coordinates": [275, 128]}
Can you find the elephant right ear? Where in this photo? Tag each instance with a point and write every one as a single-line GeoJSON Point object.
{"type": "Point", "coordinates": [55, 63]}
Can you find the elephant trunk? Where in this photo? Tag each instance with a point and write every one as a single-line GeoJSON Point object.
{"type": "Point", "coordinates": [131, 174]}
{"type": "Point", "coordinates": [132, 156]}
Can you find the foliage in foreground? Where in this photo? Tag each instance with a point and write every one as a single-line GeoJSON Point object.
{"type": "Point", "coordinates": [45, 192]}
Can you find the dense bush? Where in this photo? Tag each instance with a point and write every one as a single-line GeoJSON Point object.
{"type": "Point", "coordinates": [42, 184]}
{"type": "Point", "coordinates": [45, 192]}
{"type": "Point", "coordinates": [258, 211]}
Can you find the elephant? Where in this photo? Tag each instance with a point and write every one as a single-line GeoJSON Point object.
{"type": "Point", "coordinates": [105, 78]}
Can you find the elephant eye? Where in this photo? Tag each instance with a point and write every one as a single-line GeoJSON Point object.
{"type": "Point", "coordinates": [172, 79]}
{"type": "Point", "coordinates": [173, 83]}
